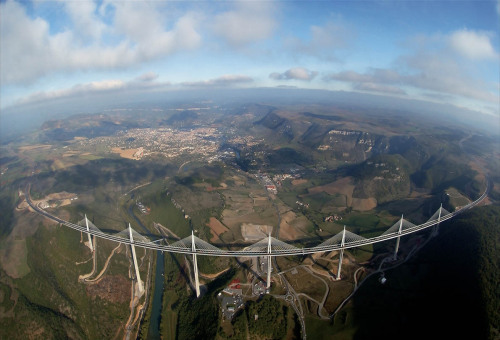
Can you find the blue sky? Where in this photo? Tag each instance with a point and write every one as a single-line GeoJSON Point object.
{"type": "Point", "coordinates": [441, 51]}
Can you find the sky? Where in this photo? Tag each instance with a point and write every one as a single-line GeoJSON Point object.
{"type": "Point", "coordinates": [438, 51]}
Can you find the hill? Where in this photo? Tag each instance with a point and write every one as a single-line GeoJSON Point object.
{"type": "Point", "coordinates": [278, 124]}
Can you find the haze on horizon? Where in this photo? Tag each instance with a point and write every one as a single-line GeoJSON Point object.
{"type": "Point", "coordinates": [58, 55]}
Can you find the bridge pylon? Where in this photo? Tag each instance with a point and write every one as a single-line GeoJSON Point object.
{"type": "Point", "coordinates": [435, 229]}
{"type": "Point", "coordinates": [398, 239]}
{"type": "Point", "coordinates": [195, 266]}
{"type": "Point", "coordinates": [88, 234]}
{"type": "Point", "coordinates": [269, 265]}
{"type": "Point", "coordinates": [134, 258]}
{"type": "Point", "coordinates": [341, 254]}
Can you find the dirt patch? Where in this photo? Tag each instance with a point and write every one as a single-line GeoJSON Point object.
{"type": "Point", "coordinates": [34, 147]}
{"type": "Point", "coordinates": [287, 230]}
{"type": "Point", "coordinates": [364, 204]}
{"type": "Point", "coordinates": [113, 288]}
{"type": "Point", "coordinates": [60, 196]}
{"type": "Point", "coordinates": [216, 227]}
{"type": "Point", "coordinates": [70, 153]}
{"type": "Point", "coordinates": [214, 275]}
{"type": "Point", "coordinates": [242, 213]}
{"type": "Point", "coordinates": [419, 192]}
{"type": "Point", "coordinates": [65, 202]}
{"type": "Point", "coordinates": [22, 205]}
{"type": "Point", "coordinates": [254, 232]}
{"type": "Point", "coordinates": [299, 181]}
{"type": "Point", "coordinates": [126, 153]}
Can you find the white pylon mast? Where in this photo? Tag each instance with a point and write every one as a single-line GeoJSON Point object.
{"type": "Point", "coordinates": [134, 257]}
{"type": "Point", "coordinates": [88, 234]}
{"type": "Point", "coordinates": [397, 241]}
{"type": "Point", "coordinates": [436, 227]}
{"type": "Point", "coordinates": [195, 265]}
{"type": "Point", "coordinates": [269, 263]}
{"type": "Point", "coordinates": [341, 254]}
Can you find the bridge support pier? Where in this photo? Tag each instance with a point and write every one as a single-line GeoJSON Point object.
{"type": "Point", "coordinates": [341, 257]}
{"type": "Point", "coordinates": [269, 263]}
{"type": "Point", "coordinates": [134, 258]}
{"type": "Point", "coordinates": [398, 239]}
{"type": "Point", "coordinates": [88, 234]}
{"type": "Point", "coordinates": [195, 266]}
{"type": "Point", "coordinates": [435, 229]}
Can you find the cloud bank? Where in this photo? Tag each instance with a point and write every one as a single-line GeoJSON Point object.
{"type": "Point", "coordinates": [445, 64]}
{"type": "Point", "coordinates": [143, 82]}
{"type": "Point", "coordinates": [225, 80]}
{"type": "Point", "coordinates": [139, 34]}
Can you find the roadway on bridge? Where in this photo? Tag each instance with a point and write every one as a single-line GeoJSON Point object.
{"type": "Point", "coordinates": [279, 248]}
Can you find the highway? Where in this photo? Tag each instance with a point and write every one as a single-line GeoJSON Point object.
{"type": "Point", "coordinates": [204, 248]}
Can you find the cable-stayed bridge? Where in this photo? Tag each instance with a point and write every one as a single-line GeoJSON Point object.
{"type": "Point", "coordinates": [278, 248]}
{"type": "Point", "coordinates": [267, 247]}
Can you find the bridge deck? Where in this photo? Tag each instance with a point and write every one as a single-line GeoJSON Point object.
{"type": "Point", "coordinates": [180, 248]}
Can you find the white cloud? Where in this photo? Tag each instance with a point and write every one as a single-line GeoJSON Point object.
{"type": "Point", "coordinates": [249, 22]}
{"type": "Point", "coordinates": [225, 80]}
{"type": "Point", "coordinates": [375, 80]}
{"type": "Point", "coordinates": [473, 45]}
{"type": "Point", "coordinates": [434, 63]}
{"type": "Point", "coordinates": [444, 72]}
{"type": "Point", "coordinates": [427, 78]}
{"type": "Point", "coordinates": [297, 73]}
{"type": "Point", "coordinates": [143, 82]}
{"type": "Point", "coordinates": [144, 25]}
{"type": "Point", "coordinates": [85, 23]}
{"type": "Point", "coordinates": [29, 50]}
{"type": "Point", "coordinates": [22, 40]}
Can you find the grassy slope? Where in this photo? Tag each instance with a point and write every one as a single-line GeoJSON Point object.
{"type": "Point", "coordinates": [51, 300]}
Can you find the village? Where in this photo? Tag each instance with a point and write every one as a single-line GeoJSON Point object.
{"type": "Point", "coordinates": [167, 142]}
